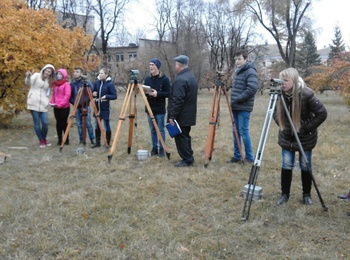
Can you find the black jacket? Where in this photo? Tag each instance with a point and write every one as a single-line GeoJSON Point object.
{"type": "Point", "coordinates": [182, 104]}
{"type": "Point", "coordinates": [244, 88]}
{"type": "Point", "coordinates": [161, 84]}
{"type": "Point", "coordinates": [313, 114]}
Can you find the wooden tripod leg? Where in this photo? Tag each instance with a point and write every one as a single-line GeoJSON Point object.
{"type": "Point", "coordinates": [98, 119]}
{"type": "Point", "coordinates": [121, 120]}
{"type": "Point", "coordinates": [213, 119]}
{"type": "Point", "coordinates": [234, 126]}
{"type": "Point", "coordinates": [150, 113]}
{"type": "Point", "coordinates": [71, 118]}
{"type": "Point", "coordinates": [132, 117]}
{"type": "Point", "coordinates": [84, 114]}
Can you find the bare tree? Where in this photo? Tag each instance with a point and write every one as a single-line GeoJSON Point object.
{"type": "Point", "coordinates": [110, 17]}
{"type": "Point", "coordinates": [38, 4]}
{"type": "Point", "coordinates": [180, 31]}
{"type": "Point", "coordinates": [284, 19]}
{"type": "Point", "coordinates": [227, 30]}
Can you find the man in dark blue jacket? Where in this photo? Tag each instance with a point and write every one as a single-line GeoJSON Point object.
{"type": "Point", "coordinates": [83, 108]}
{"type": "Point", "coordinates": [243, 92]}
{"type": "Point", "coordinates": [182, 107]}
{"type": "Point", "coordinates": [160, 87]}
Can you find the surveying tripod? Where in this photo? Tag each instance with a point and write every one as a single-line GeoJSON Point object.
{"type": "Point", "coordinates": [275, 93]}
{"type": "Point", "coordinates": [134, 87]}
{"type": "Point", "coordinates": [83, 93]}
{"type": "Point", "coordinates": [219, 89]}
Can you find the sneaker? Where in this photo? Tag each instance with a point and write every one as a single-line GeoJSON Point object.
{"type": "Point", "coordinates": [345, 197]}
{"type": "Point", "coordinates": [283, 199]}
{"type": "Point", "coordinates": [249, 161]}
{"type": "Point", "coordinates": [47, 144]}
{"type": "Point", "coordinates": [233, 160]}
{"type": "Point", "coordinates": [307, 199]}
{"type": "Point", "coordinates": [42, 144]}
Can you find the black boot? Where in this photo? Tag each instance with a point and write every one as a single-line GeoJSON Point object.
{"type": "Point", "coordinates": [98, 138]}
{"type": "Point", "coordinates": [286, 181]}
{"type": "Point", "coordinates": [306, 181]}
{"type": "Point", "coordinates": [108, 138]}
{"type": "Point", "coordinates": [154, 151]}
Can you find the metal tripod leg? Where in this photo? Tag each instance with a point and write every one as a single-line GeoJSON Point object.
{"type": "Point", "coordinates": [275, 93]}
{"type": "Point", "coordinates": [258, 156]}
{"type": "Point", "coordinates": [325, 208]}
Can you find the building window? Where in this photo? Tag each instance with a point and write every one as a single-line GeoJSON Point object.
{"type": "Point", "coordinates": [119, 57]}
{"type": "Point", "coordinates": [108, 58]}
{"type": "Point", "coordinates": [264, 64]}
{"type": "Point", "coordinates": [132, 56]}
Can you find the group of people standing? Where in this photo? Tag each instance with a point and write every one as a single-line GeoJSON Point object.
{"type": "Point", "coordinates": [65, 93]}
{"type": "Point", "coordinates": [306, 111]}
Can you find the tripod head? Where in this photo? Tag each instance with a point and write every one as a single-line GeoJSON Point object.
{"type": "Point", "coordinates": [219, 82]}
{"type": "Point", "coordinates": [133, 76]}
{"type": "Point", "coordinates": [275, 86]}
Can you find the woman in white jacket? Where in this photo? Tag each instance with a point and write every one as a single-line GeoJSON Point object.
{"type": "Point", "coordinates": [38, 100]}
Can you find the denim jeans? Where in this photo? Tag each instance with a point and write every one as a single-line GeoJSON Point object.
{"type": "Point", "coordinates": [41, 124]}
{"type": "Point", "coordinates": [159, 118]}
{"type": "Point", "coordinates": [106, 125]}
{"type": "Point", "coordinates": [79, 121]}
{"type": "Point", "coordinates": [242, 119]}
{"type": "Point", "coordinates": [288, 160]}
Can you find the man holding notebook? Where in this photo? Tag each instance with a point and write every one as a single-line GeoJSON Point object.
{"type": "Point", "coordinates": [182, 107]}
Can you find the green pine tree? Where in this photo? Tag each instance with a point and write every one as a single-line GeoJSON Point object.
{"type": "Point", "coordinates": [338, 45]}
{"type": "Point", "coordinates": [307, 56]}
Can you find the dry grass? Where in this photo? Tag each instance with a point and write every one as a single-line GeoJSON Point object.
{"type": "Point", "coordinates": [60, 205]}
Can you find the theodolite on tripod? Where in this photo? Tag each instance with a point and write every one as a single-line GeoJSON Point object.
{"type": "Point", "coordinates": [219, 89]}
{"type": "Point", "coordinates": [275, 94]}
{"type": "Point", "coordinates": [136, 88]}
{"type": "Point", "coordinates": [83, 100]}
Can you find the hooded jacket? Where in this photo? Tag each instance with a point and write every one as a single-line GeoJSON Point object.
{"type": "Point", "coordinates": [38, 95]}
{"type": "Point", "coordinates": [104, 88]}
{"type": "Point", "coordinates": [244, 88]}
{"type": "Point", "coordinates": [61, 91]}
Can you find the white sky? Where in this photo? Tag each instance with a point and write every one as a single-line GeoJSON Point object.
{"type": "Point", "coordinates": [325, 13]}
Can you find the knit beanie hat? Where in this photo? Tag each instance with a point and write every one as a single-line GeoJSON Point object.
{"type": "Point", "coordinates": [156, 62]}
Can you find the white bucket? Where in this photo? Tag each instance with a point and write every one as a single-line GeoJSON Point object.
{"type": "Point", "coordinates": [257, 192]}
{"type": "Point", "coordinates": [142, 155]}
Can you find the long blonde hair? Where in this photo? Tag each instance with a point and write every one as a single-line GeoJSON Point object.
{"type": "Point", "coordinates": [298, 84]}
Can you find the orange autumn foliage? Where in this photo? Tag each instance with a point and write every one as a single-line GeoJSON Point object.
{"type": "Point", "coordinates": [29, 40]}
{"type": "Point", "coordinates": [336, 76]}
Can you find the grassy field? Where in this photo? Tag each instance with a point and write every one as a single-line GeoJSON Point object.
{"type": "Point", "coordinates": [62, 205]}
